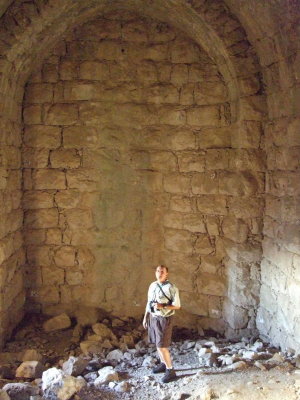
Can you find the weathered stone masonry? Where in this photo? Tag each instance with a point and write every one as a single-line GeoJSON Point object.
{"type": "Point", "coordinates": [142, 142]}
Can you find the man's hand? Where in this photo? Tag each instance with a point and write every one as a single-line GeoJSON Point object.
{"type": "Point", "coordinates": [145, 321]}
{"type": "Point", "coordinates": [159, 306]}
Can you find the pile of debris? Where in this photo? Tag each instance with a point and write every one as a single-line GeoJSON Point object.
{"type": "Point", "coordinates": [98, 358]}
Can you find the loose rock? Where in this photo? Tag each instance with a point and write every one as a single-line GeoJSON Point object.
{"type": "Point", "coordinates": [61, 321]}
{"type": "Point", "coordinates": [30, 369]}
{"type": "Point", "coordinates": [106, 374]}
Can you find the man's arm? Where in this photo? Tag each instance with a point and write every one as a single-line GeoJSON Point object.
{"type": "Point", "coordinates": [147, 310]}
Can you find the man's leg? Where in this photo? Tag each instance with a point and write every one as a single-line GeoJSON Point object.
{"type": "Point", "coordinates": [165, 356]}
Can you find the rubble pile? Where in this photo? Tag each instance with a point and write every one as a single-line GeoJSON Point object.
{"type": "Point", "coordinates": [113, 358]}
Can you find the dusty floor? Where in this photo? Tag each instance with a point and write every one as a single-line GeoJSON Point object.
{"type": "Point", "coordinates": [194, 381]}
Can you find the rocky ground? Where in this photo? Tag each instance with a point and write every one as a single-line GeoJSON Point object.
{"type": "Point", "coordinates": [111, 360]}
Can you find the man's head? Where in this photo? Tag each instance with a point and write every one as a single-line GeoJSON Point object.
{"type": "Point", "coordinates": [161, 273]}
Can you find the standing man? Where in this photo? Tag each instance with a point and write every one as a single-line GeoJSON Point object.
{"type": "Point", "coordinates": [163, 300]}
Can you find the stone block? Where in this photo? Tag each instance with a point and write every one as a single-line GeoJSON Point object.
{"type": "Point", "coordinates": [50, 73]}
{"type": "Point", "coordinates": [240, 184]}
{"type": "Point", "coordinates": [237, 317]}
{"type": "Point", "coordinates": [39, 255]}
{"type": "Point", "coordinates": [205, 183]}
{"type": "Point", "coordinates": [293, 130]}
{"type": "Point", "coordinates": [211, 284]}
{"type": "Point", "coordinates": [210, 204]}
{"type": "Point", "coordinates": [204, 116]}
{"type": "Point", "coordinates": [150, 181]}
{"type": "Point", "coordinates": [39, 93]}
{"type": "Point", "coordinates": [147, 72]}
{"type": "Point", "coordinates": [61, 114]}
{"type": "Point", "coordinates": [163, 161]}
{"type": "Point", "coordinates": [65, 158]}
{"type": "Point", "coordinates": [210, 264]}
{"type": "Point", "coordinates": [246, 207]}
{"type": "Point", "coordinates": [249, 85]}
{"type": "Point", "coordinates": [54, 236]}
{"type": "Point", "coordinates": [218, 137]}
{"type": "Point", "coordinates": [134, 31]}
{"type": "Point", "coordinates": [124, 115]}
{"type": "Point", "coordinates": [212, 225]}
{"type": "Point", "coordinates": [69, 198]}
{"type": "Point", "coordinates": [37, 199]}
{"type": "Point", "coordinates": [41, 218]}
{"type": "Point", "coordinates": [178, 241]}
{"type": "Point", "coordinates": [160, 94]}
{"type": "Point", "coordinates": [156, 52]}
{"type": "Point", "coordinates": [85, 257]}
{"type": "Point", "coordinates": [176, 183]}
{"type": "Point", "coordinates": [76, 91]}
{"type": "Point", "coordinates": [93, 70]}
{"type": "Point", "coordinates": [253, 108]}
{"type": "Point", "coordinates": [34, 236]}
{"type": "Point", "coordinates": [248, 135]}
{"type": "Point", "coordinates": [68, 70]}
{"type": "Point", "coordinates": [250, 159]}
{"type": "Point", "coordinates": [191, 162]}
{"type": "Point", "coordinates": [179, 74]}
{"type": "Point", "coordinates": [193, 223]}
{"type": "Point", "coordinates": [242, 252]}
{"type": "Point", "coordinates": [204, 245]}
{"type": "Point", "coordinates": [79, 219]}
{"type": "Point", "coordinates": [35, 158]}
{"type": "Point", "coordinates": [179, 140]}
{"type": "Point", "coordinates": [171, 116]}
{"type": "Point", "coordinates": [235, 229]}
{"type": "Point", "coordinates": [173, 220]}
{"type": "Point", "coordinates": [11, 157]}
{"type": "Point", "coordinates": [194, 303]}
{"type": "Point", "coordinates": [180, 203]}
{"type": "Point", "coordinates": [210, 92]}
{"type": "Point", "coordinates": [109, 50]}
{"type": "Point", "coordinates": [49, 179]}
{"type": "Point", "coordinates": [186, 94]}
{"type": "Point", "coordinates": [80, 136]}
{"type": "Point", "coordinates": [185, 52]}
{"type": "Point", "coordinates": [65, 256]}
{"type": "Point", "coordinates": [74, 277]}
{"type": "Point", "coordinates": [217, 159]}
{"type": "Point", "coordinates": [30, 370]}
{"type": "Point", "coordinates": [53, 276]}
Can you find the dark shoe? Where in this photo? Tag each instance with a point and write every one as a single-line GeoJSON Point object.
{"type": "Point", "coordinates": [169, 376]}
{"type": "Point", "coordinates": [159, 368]}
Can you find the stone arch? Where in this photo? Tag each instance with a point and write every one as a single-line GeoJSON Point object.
{"type": "Point", "coordinates": [252, 107]}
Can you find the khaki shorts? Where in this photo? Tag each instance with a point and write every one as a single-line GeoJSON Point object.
{"type": "Point", "coordinates": [160, 330]}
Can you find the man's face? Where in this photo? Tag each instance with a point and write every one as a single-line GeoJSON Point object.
{"type": "Point", "coordinates": [161, 274]}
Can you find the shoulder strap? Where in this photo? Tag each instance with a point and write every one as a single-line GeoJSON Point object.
{"type": "Point", "coordinates": [164, 293]}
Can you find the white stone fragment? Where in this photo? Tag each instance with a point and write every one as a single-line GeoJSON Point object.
{"type": "Point", "coordinates": [149, 362]}
{"type": "Point", "coordinates": [122, 387]}
{"type": "Point", "coordinates": [52, 378]}
{"type": "Point", "coordinates": [115, 355]}
{"type": "Point", "coordinates": [239, 365]}
{"type": "Point", "coordinates": [106, 374]}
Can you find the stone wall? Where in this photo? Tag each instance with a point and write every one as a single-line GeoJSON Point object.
{"type": "Point", "coordinates": [12, 256]}
{"type": "Point", "coordinates": [128, 162]}
{"type": "Point", "coordinates": [279, 311]}
{"type": "Point", "coordinates": [169, 167]}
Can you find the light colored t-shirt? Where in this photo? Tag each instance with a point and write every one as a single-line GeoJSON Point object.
{"type": "Point", "coordinates": [156, 294]}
